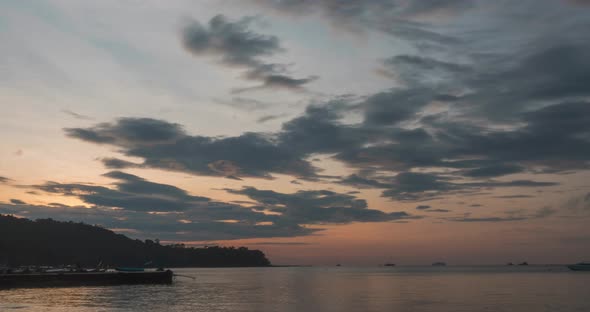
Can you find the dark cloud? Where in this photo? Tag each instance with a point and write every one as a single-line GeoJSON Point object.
{"type": "Point", "coordinates": [277, 81]}
{"type": "Point", "coordinates": [4, 179]}
{"type": "Point", "coordinates": [489, 219]}
{"type": "Point", "coordinates": [76, 115]}
{"type": "Point", "coordinates": [414, 69]}
{"type": "Point", "coordinates": [266, 118]}
{"type": "Point", "coordinates": [319, 207]}
{"type": "Point", "coordinates": [494, 171]}
{"type": "Point", "coordinates": [369, 13]}
{"type": "Point", "coordinates": [415, 186]}
{"type": "Point", "coordinates": [131, 193]}
{"type": "Point", "coordinates": [234, 44]}
{"type": "Point", "coordinates": [461, 120]}
{"type": "Point", "coordinates": [158, 209]}
{"type": "Point", "coordinates": [423, 207]}
{"type": "Point", "coordinates": [395, 106]}
{"type": "Point", "coordinates": [366, 145]}
{"type": "Point", "coordinates": [439, 210]}
{"type": "Point", "coordinates": [361, 182]}
{"type": "Point", "coordinates": [166, 146]}
{"type": "Point", "coordinates": [151, 208]}
{"type": "Point", "coordinates": [553, 73]}
{"type": "Point", "coordinates": [174, 227]}
{"type": "Point", "coordinates": [514, 196]}
{"type": "Point", "coordinates": [319, 130]}
{"type": "Point", "coordinates": [511, 215]}
{"type": "Point", "coordinates": [17, 202]}
{"type": "Point", "coordinates": [115, 163]}
{"type": "Point", "coordinates": [137, 131]}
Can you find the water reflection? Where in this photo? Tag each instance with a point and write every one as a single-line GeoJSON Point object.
{"type": "Point", "coordinates": [327, 289]}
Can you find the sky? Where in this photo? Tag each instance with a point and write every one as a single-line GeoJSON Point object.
{"type": "Point", "coordinates": [321, 132]}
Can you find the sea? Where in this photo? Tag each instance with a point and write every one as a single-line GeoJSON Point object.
{"type": "Point", "coordinates": [400, 288]}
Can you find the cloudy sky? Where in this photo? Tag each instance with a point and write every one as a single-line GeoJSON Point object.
{"type": "Point", "coordinates": [322, 132]}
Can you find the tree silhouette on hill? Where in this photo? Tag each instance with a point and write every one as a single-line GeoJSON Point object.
{"type": "Point", "coordinates": [50, 242]}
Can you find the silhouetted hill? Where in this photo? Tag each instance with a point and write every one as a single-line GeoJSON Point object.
{"type": "Point", "coordinates": [49, 242]}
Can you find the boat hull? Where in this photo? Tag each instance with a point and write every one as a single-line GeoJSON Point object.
{"type": "Point", "coordinates": [578, 267]}
{"type": "Point", "coordinates": [84, 279]}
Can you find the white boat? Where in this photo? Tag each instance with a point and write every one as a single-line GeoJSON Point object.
{"type": "Point", "coordinates": [582, 266]}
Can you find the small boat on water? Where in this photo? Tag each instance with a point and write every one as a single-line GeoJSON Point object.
{"type": "Point", "coordinates": [389, 264]}
{"type": "Point", "coordinates": [439, 264]}
{"type": "Point", "coordinates": [582, 266]}
{"type": "Point", "coordinates": [71, 279]}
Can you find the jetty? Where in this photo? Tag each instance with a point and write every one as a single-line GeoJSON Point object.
{"type": "Point", "coordinates": [73, 279]}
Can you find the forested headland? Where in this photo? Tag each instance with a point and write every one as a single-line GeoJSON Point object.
{"type": "Point", "coordinates": [50, 242]}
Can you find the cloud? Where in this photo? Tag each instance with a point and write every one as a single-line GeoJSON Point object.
{"type": "Point", "coordinates": [150, 208]}
{"type": "Point", "coordinates": [475, 110]}
{"type": "Point", "coordinates": [171, 227]}
{"type": "Point", "coordinates": [167, 146]}
{"type": "Point", "coordinates": [369, 144]}
{"type": "Point", "coordinates": [131, 192]}
{"type": "Point", "coordinates": [266, 118]}
{"type": "Point", "coordinates": [158, 209]}
{"type": "Point", "coordinates": [552, 73]}
{"type": "Point", "coordinates": [423, 207]}
{"type": "Point", "coordinates": [76, 115]}
{"type": "Point", "coordinates": [141, 131]}
{"type": "Point", "coordinates": [4, 179]}
{"type": "Point", "coordinates": [246, 104]}
{"type": "Point", "coordinates": [319, 207]}
{"type": "Point", "coordinates": [416, 186]}
{"type": "Point", "coordinates": [514, 196]}
{"type": "Point", "coordinates": [414, 69]}
{"type": "Point", "coordinates": [494, 171]}
{"type": "Point", "coordinates": [397, 105]}
{"type": "Point", "coordinates": [489, 219]}
{"type": "Point", "coordinates": [234, 44]}
{"type": "Point", "coordinates": [370, 13]}
{"type": "Point", "coordinates": [512, 215]}
{"type": "Point", "coordinates": [115, 163]}
{"type": "Point", "coordinates": [439, 210]}
{"type": "Point", "coordinates": [281, 243]}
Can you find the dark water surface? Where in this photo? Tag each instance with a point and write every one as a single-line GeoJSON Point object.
{"type": "Point", "coordinates": [441, 289]}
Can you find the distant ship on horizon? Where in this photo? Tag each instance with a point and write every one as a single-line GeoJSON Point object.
{"type": "Point", "coordinates": [439, 264]}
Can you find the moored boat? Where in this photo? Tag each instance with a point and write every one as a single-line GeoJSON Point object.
{"type": "Point", "coordinates": [129, 269]}
{"type": "Point", "coordinates": [582, 266]}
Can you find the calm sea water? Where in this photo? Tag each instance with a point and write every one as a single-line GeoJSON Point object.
{"type": "Point", "coordinates": [339, 289]}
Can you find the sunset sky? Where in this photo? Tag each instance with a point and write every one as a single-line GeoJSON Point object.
{"type": "Point", "coordinates": [321, 132]}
